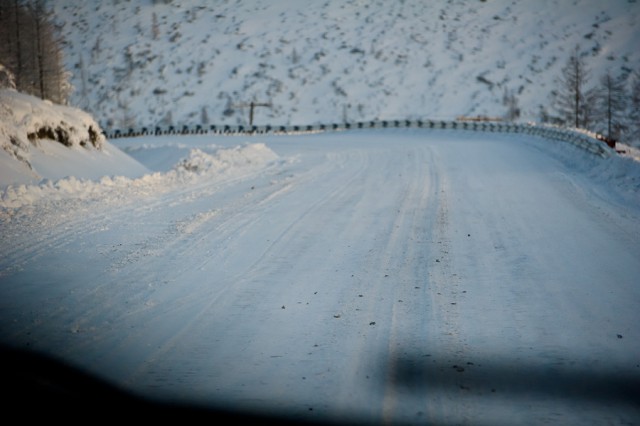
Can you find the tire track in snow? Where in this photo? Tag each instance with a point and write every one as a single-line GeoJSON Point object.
{"type": "Point", "coordinates": [241, 225]}
{"type": "Point", "coordinates": [407, 334]}
{"type": "Point", "coordinates": [178, 243]}
{"type": "Point", "coordinates": [147, 238]}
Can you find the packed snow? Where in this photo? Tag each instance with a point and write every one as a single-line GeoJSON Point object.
{"type": "Point", "coordinates": [399, 276]}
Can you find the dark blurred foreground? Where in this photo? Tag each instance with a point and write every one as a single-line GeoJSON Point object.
{"type": "Point", "coordinates": [38, 387]}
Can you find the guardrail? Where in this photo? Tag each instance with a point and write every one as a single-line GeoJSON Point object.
{"type": "Point", "coordinates": [591, 142]}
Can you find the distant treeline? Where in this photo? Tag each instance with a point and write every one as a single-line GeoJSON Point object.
{"type": "Point", "coordinates": [611, 106]}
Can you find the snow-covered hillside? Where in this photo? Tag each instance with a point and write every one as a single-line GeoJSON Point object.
{"type": "Point", "coordinates": [146, 63]}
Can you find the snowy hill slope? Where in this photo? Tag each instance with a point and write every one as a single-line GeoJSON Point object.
{"type": "Point", "coordinates": [39, 140]}
{"type": "Point", "coordinates": [146, 63]}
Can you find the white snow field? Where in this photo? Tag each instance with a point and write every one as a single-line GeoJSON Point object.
{"type": "Point", "coordinates": [376, 276]}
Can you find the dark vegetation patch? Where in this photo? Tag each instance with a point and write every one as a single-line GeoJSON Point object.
{"type": "Point", "coordinates": [62, 134]}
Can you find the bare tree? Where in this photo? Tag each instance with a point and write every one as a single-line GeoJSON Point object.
{"type": "Point", "coordinates": [31, 49]}
{"type": "Point", "coordinates": [39, 25]}
{"type": "Point", "coordinates": [18, 51]}
{"type": "Point", "coordinates": [12, 20]}
{"type": "Point", "coordinates": [634, 110]}
{"type": "Point", "coordinates": [155, 27]}
{"type": "Point", "coordinates": [612, 105]}
{"type": "Point", "coordinates": [510, 100]}
{"type": "Point", "coordinates": [52, 78]}
{"type": "Point", "coordinates": [573, 101]}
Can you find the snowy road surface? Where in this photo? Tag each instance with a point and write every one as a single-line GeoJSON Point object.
{"type": "Point", "coordinates": [400, 276]}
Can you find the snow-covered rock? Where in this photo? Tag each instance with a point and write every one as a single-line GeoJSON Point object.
{"type": "Point", "coordinates": [40, 140]}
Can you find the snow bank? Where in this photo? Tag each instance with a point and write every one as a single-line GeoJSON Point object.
{"type": "Point", "coordinates": [615, 178]}
{"type": "Point", "coordinates": [621, 173]}
{"type": "Point", "coordinates": [222, 164]}
{"type": "Point", "coordinates": [28, 119]}
{"type": "Point", "coordinates": [225, 160]}
{"type": "Point", "coordinates": [41, 140]}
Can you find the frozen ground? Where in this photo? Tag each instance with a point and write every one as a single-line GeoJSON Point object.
{"type": "Point", "coordinates": [397, 276]}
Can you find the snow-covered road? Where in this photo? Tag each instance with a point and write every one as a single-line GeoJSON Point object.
{"type": "Point", "coordinates": [400, 276]}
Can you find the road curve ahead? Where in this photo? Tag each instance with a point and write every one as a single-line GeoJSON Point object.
{"type": "Point", "coordinates": [401, 276]}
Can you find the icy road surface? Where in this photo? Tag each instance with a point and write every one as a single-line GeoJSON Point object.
{"type": "Point", "coordinates": [398, 276]}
